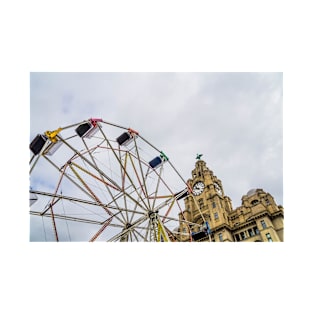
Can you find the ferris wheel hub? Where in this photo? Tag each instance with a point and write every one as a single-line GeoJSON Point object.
{"type": "Point", "coordinates": [152, 215]}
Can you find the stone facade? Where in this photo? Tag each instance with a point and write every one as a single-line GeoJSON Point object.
{"type": "Point", "coordinates": [210, 216]}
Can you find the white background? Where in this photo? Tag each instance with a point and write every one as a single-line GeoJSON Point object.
{"type": "Point", "coordinates": [155, 36]}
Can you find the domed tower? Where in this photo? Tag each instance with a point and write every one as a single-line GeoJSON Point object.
{"type": "Point", "coordinates": [209, 216]}
{"type": "Point", "coordinates": [206, 206]}
{"type": "Point", "coordinates": [258, 218]}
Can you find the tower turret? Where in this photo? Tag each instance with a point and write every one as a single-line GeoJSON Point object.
{"type": "Point", "coordinates": [207, 203]}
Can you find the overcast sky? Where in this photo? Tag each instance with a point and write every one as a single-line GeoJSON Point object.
{"type": "Point", "coordinates": [233, 119]}
{"type": "Point", "coordinates": [239, 134]}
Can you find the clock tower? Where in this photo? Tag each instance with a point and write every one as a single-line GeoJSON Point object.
{"type": "Point", "coordinates": [206, 207]}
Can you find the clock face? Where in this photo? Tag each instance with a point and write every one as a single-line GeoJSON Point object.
{"type": "Point", "coordinates": [198, 188]}
{"type": "Point", "coordinates": [218, 189]}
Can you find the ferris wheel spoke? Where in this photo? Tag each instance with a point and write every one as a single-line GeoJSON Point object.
{"type": "Point", "coordinates": [142, 190]}
{"type": "Point", "coordinates": [157, 187]}
{"type": "Point", "coordinates": [101, 178]}
{"type": "Point", "coordinates": [138, 190]}
{"type": "Point", "coordinates": [92, 152]}
{"type": "Point", "coordinates": [139, 234]}
{"type": "Point", "coordinates": [169, 210]}
{"type": "Point", "coordinates": [125, 169]}
{"type": "Point", "coordinates": [123, 181]}
{"type": "Point", "coordinates": [134, 233]}
{"type": "Point", "coordinates": [54, 225]}
{"type": "Point", "coordinates": [89, 162]}
{"type": "Point", "coordinates": [62, 171]}
{"type": "Point", "coordinates": [134, 211]}
{"type": "Point", "coordinates": [54, 200]}
{"type": "Point", "coordinates": [122, 219]}
{"type": "Point", "coordinates": [94, 176]}
{"type": "Point", "coordinates": [131, 156]}
{"type": "Point", "coordinates": [142, 176]}
{"type": "Point", "coordinates": [135, 207]}
{"type": "Point", "coordinates": [68, 217]}
{"type": "Point", "coordinates": [135, 236]}
{"type": "Point", "coordinates": [128, 195]}
{"type": "Point", "coordinates": [120, 162]}
{"type": "Point", "coordinates": [35, 162]}
{"type": "Point", "coordinates": [100, 231]}
{"type": "Point", "coordinates": [83, 201]}
{"type": "Point", "coordinates": [134, 189]}
{"type": "Point", "coordinates": [127, 230]}
{"type": "Point", "coordinates": [131, 231]}
{"type": "Point", "coordinates": [89, 189]}
{"type": "Point", "coordinates": [168, 219]}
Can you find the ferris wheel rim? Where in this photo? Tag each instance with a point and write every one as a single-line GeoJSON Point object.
{"type": "Point", "coordinates": [143, 202]}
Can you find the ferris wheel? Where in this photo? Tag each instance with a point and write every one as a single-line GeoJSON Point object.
{"type": "Point", "coordinates": [95, 180]}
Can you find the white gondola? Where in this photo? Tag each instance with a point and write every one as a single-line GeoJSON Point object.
{"type": "Point", "coordinates": [53, 147]}
{"type": "Point", "coordinates": [87, 130]}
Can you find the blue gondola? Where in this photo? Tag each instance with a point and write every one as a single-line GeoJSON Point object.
{"type": "Point", "coordinates": [157, 161]}
{"type": "Point", "coordinates": [202, 233]}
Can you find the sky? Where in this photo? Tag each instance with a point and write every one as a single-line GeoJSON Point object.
{"type": "Point", "coordinates": [235, 119]}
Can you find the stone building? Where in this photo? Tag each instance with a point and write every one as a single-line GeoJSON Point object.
{"type": "Point", "coordinates": [211, 217]}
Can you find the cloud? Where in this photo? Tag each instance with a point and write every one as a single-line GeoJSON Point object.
{"type": "Point", "coordinates": [234, 119]}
